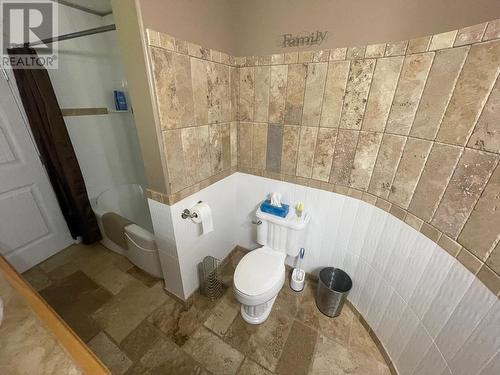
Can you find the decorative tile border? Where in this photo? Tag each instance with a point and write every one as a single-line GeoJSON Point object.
{"type": "Point", "coordinates": [180, 195]}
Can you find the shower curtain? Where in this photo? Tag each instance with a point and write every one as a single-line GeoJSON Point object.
{"type": "Point", "coordinates": [54, 145]}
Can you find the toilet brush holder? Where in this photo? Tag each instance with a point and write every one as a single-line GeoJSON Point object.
{"type": "Point", "coordinates": [298, 279]}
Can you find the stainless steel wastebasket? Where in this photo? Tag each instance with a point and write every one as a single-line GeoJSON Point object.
{"type": "Point", "coordinates": [333, 287]}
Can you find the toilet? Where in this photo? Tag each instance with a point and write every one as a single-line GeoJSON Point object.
{"type": "Point", "coordinates": [260, 274]}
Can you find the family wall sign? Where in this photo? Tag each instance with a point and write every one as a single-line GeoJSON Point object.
{"type": "Point", "coordinates": [305, 39]}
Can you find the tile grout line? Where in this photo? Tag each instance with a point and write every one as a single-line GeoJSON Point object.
{"type": "Point", "coordinates": [385, 123]}
{"type": "Point", "coordinates": [353, 130]}
{"type": "Point", "coordinates": [403, 64]}
{"type": "Point", "coordinates": [423, 92]}
{"type": "Point", "coordinates": [452, 92]}
{"type": "Point", "coordinates": [419, 100]}
{"type": "Point", "coordinates": [321, 115]}
{"type": "Point", "coordinates": [338, 120]}
{"type": "Point", "coordinates": [361, 125]}
{"type": "Point", "coordinates": [476, 120]}
{"type": "Point", "coordinates": [487, 362]}
{"type": "Point", "coordinates": [282, 117]}
{"type": "Point", "coordinates": [301, 114]}
{"type": "Point", "coordinates": [306, 65]}
{"type": "Point", "coordinates": [490, 252]}
{"type": "Point", "coordinates": [363, 122]}
{"type": "Point", "coordinates": [454, 39]}
{"type": "Point", "coordinates": [447, 182]}
{"type": "Point", "coordinates": [393, 178]}
{"type": "Point", "coordinates": [484, 31]}
{"type": "Point", "coordinates": [418, 178]}
{"type": "Point", "coordinates": [468, 336]}
{"type": "Point", "coordinates": [385, 127]}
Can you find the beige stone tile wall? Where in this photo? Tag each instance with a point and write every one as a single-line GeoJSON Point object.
{"type": "Point", "coordinates": [197, 96]}
{"type": "Point", "coordinates": [412, 127]}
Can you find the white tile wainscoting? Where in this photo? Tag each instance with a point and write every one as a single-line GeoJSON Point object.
{"type": "Point", "coordinates": [432, 315]}
{"type": "Point", "coordinates": [182, 247]}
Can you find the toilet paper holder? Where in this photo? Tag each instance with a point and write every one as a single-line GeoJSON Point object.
{"type": "Point", "coordinates": [187, 214]}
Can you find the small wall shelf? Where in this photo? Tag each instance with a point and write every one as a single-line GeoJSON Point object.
{"type": "Point", "coordinates": [69, 112]}
{"type": "Point", "coordinates": [116, 111]}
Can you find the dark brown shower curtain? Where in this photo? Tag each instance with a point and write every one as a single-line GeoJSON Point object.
{"type": "Point", "coordinates": [54, 145]}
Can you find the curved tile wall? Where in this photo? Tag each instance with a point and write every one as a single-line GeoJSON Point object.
{"type": "Point", "coordinates": [409, 126]}
{"type": "Point", "coordinates": [409, 129]}
{"type": "Point", "coordinates": [430, 313]}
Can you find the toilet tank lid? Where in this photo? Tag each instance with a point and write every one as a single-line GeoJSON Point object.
{"type": "Point", "coordinates": [290, 221]}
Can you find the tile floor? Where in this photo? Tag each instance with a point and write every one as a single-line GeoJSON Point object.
{"type": "Point", "coordinates": [135, 327]}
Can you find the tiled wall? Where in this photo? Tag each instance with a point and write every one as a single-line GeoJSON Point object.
{"type": "Point", "coordinates": [196, 96]}
{"type": "Point", "coordinates": [430, 313]}
{"type": "Point", "coordinates": [411, 127]}
{"type": "Point", "coordinates": [182, 245]}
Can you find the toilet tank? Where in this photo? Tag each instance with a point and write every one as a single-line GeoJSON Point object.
{"type": "Point", "coordinates": [284, 234]}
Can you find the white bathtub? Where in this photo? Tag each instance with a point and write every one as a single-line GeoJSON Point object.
{"type": "Point", "coordinates": [129, 201]}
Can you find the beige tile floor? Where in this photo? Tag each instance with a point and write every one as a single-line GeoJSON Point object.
{"type": "Point", "coordinates": [135, 327]}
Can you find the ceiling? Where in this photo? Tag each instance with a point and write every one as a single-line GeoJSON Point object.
{"type": "Point", "coordinates": [99, 7]}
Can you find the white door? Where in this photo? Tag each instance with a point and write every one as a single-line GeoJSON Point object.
{"type": "Point", "coordinates": [32, 227]}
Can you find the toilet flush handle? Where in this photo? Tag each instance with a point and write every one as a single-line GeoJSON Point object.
{"type": "Point", "coordinates": [256, 222]}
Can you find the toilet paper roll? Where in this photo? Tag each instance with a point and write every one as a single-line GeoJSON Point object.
{"type": "Point", "coordinates": [203, 216]}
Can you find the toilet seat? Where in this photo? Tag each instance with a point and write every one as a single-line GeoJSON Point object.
{"type": "Point", "coordinates": [258, 278]}
{"type": "Point", "coordinates": [259, 271]}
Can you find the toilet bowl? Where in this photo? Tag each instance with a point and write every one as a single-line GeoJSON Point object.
{"type": "Point", "coordinates": [260, 274]}
{"type": "Point", "coordinates": [258, 278]}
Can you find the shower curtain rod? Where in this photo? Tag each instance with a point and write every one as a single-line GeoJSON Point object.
{"type": "Point", "coordinates": [77, 34]}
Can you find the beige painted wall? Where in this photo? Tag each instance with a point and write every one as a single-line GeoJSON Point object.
{"type": "Point", "coordinates": [244, 28]}
{"type": "Point", "coordinates": [208, 23]}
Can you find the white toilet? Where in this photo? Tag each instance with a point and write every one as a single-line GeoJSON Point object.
{"type": "Point", "coordinates": [260, 274]}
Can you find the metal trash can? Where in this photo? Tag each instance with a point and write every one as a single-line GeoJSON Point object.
{"type": "Point", "coordinates": [333, 287]}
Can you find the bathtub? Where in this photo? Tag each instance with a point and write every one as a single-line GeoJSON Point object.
{"type": "Point", "coordinates": [129, 201]}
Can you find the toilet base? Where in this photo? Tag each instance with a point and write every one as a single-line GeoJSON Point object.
{"type": "Point", "coordinates": [257, 314]}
